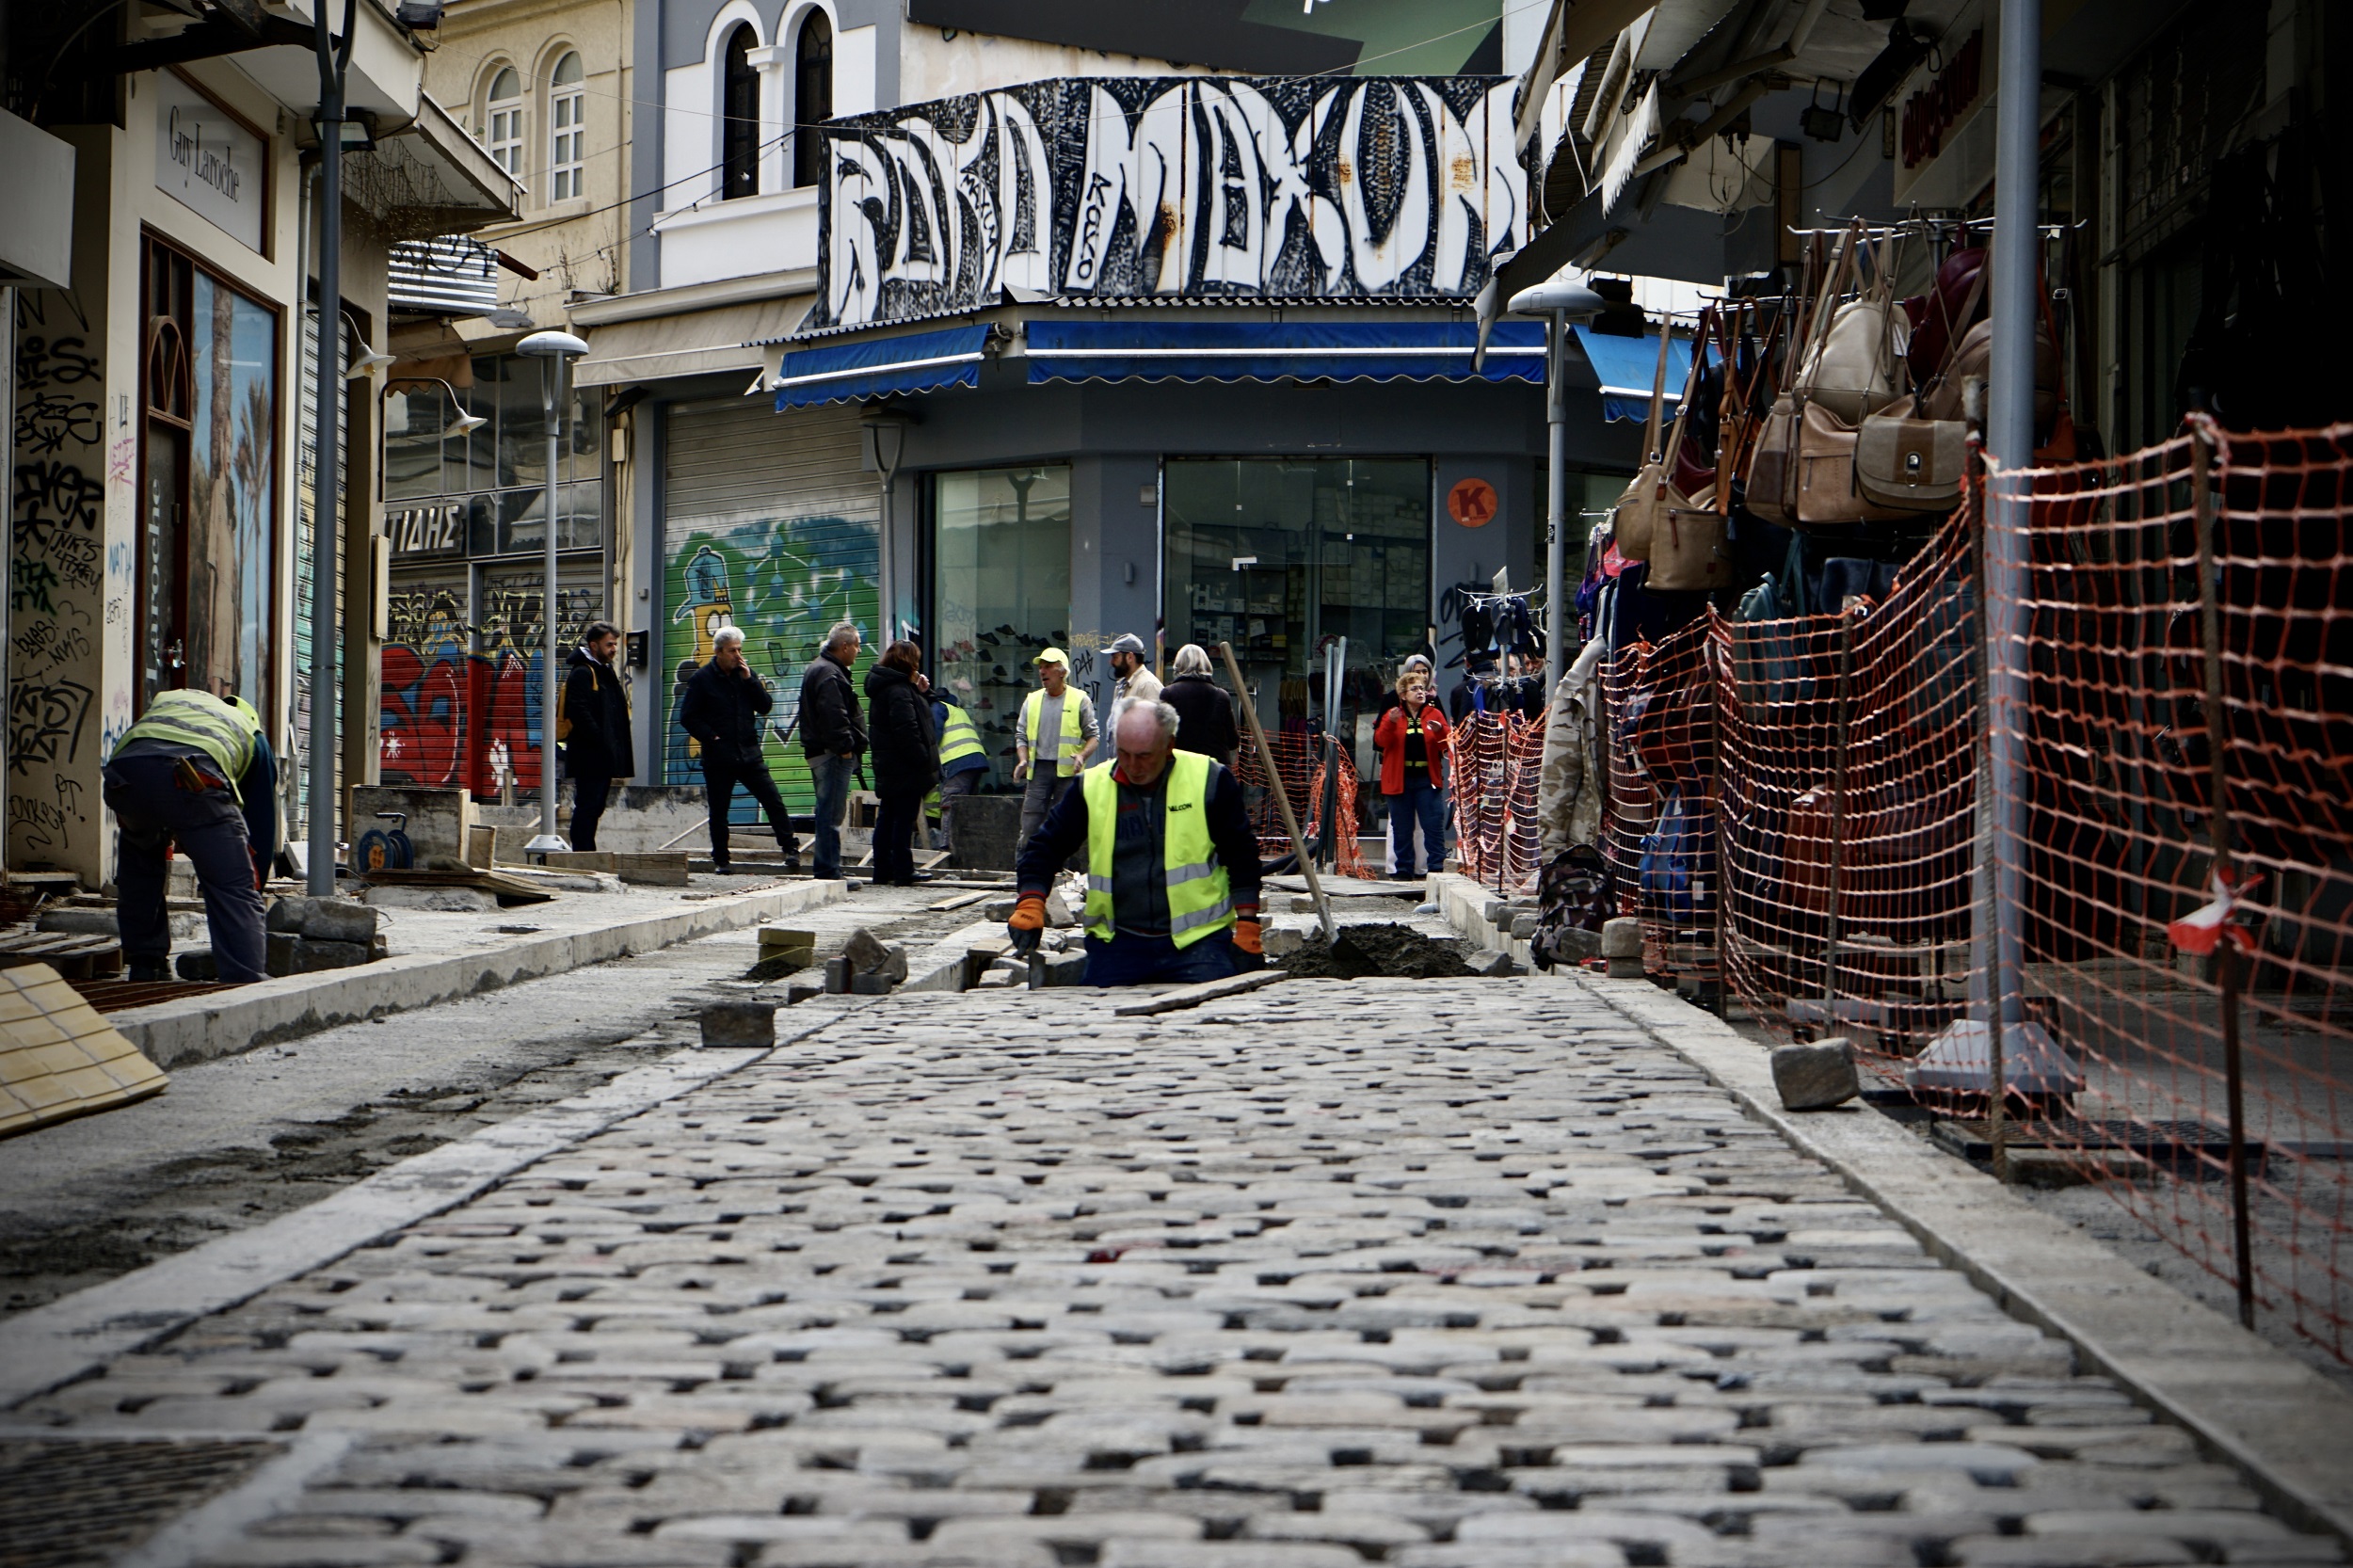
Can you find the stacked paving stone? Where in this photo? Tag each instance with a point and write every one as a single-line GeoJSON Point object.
{"type": "Point", "coordinates": [1430, 1274]}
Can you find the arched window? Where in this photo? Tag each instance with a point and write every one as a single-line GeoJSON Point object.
{"type": "Point", "coordinates": [739, 127]}
{"type": "Point", "coordinates": [812, 96]}
{"type": "Point", "coordinates": [568, 152]}
{"type": "Point", "coordinates": [504, 108]}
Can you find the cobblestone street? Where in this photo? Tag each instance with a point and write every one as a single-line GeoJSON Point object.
{"type": "Point", "coordinates": [1434, 1274]}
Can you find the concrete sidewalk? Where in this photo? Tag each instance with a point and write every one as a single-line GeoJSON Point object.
{"type": "Point", "coordinates": [456, 955]}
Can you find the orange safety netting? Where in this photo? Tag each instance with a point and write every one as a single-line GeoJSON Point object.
{"type": "Point", "coordinates": [1496, 761]}
{"type": "Point", "coordinates": [1838, 763]}
{"type": "Point", "coordinates": [1316, 780]}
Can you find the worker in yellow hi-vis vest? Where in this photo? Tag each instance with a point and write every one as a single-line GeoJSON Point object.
{"type": "Point", "coordinates": [195, 772]}
{"type": "Point", "coordinates": [1172, 861]}
{"type": "Point", "coordinates": [963, 760]}
{"type": "Point", "coordinates": [1054, 739]}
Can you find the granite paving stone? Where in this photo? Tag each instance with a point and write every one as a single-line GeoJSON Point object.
{"type": "Point", "coordinates": [1432, 1274]}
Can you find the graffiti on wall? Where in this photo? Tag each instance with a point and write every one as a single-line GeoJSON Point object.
{"type": "Point", "coordinates": [463, 690]}
{"type": "Point", "coordinates": [786, 583]}
{"type": "Point", "coordinates": [58, 585]}
{"type": "Point", "coordinates": [1142, 185]}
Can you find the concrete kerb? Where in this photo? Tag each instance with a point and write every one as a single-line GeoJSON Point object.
{"type": "Point", "coordinates": [2284, 1425]}
{"type": "Point", "coordinates": [224, 1023]}
{"type": "Point", "coordinates": [1462, 901]}
{"type": "Point", "coordinates": [71, 1338]}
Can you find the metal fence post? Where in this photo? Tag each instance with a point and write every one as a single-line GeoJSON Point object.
{"type": "Point", "coordinates": [1838, 821]}
{"type": "Point", "coordinates": [2226, 965]}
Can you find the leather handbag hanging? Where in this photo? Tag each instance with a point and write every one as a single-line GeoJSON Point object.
{"type": "Point", "coordinates": [1804, 466]}
{"type": "Point", "coordinates": [1684, 539]}
{"type": "Point", "coordinates": [1910, 461]}
{"type": "Point", "coordinates": [1639, 502]}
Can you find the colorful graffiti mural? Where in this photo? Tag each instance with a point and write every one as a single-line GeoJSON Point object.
{"type": "Point", "coordinates": [786, 582]}
{"type": "Point", "coordinates": [463, 690]}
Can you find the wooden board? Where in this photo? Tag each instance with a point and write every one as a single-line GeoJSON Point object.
{"type": "Point", "coordinates": [59, 1059]}
{"type": "Point", "coordinates": [74, 956]}
{"type": "Point", "coordinates": [508, 888]}
{"type": "Point", "coordinates": [1208, 990]}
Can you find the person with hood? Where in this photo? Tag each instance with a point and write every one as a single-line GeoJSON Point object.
{"type": "Point", "coordinates": [1412, 738]}
{"type": "Point", "coordinates": [592, 722]}
{"type": "Point", "coordinates": [833, 734]}
{"type": "Point", "coordinates": [1205, 715]}
{"type": "Point", "coordinates": [726, 708]}
{"type": "Point", "coordinates": [907, 758]}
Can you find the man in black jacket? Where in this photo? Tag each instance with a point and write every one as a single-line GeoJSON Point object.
{"type": "Point", "coordinates": [592, 722]}
{"type": "Point", "coordinates": [833, 733]}
{"type": "Point", "coordinates": [726, 708]}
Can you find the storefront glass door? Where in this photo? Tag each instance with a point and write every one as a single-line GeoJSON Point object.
{"type": "Point", "coordinates": [1000, 591]}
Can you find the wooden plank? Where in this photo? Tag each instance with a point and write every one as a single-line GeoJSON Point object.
{"type": "Point", "coordinates": [1208, 990]}
{"type": "Point", "coordinates": [958, 902]}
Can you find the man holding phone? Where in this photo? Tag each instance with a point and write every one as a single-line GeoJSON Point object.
{"type": "Point", "coordinates": [726, 708]}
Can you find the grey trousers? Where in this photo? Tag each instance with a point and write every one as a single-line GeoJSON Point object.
{"type": "Point", "coordinates": [1045, 788]}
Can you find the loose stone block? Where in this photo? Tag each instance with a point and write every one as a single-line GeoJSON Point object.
{"type": "Point", "coordinates": [740, 1023]}
{"type": "Point", "coordinates": [1816, 1076]}
{"type": "Point", "coordinates": [335, 920]}
{"type": "Point", "coordinates": [1493, 963]}
{"type": "Point", "coordinates": [1622, 937]}
{"type": "Point", "coordinates": [445, 900]}
{"type": "Point", "coordinates": [838, 972]}
{"type": "Point", "coordinates": [1280, 941]}
{"type": "Point", "coordinates": [305, 956]}
{"type": "Point", "coordinates": [876, 984]}
{"type": "Point", "coordinates": [1523, 925]}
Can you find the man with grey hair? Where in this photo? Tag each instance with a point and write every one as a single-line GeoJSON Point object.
{"type": "Point", "coordinates": [1172, 861]}
{"type": "Point", "coordinates": [833, 733]}
{"type": "Point", "coordinates": [726, 708]}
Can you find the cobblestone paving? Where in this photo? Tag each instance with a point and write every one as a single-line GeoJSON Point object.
{"type": "Point", "coordinates": [1438, 1275]}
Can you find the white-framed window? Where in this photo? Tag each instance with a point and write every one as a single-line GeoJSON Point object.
{"type": "Point", "coordinates": [567, 153]}
{"type": "Point", "coordinates": [503, 118]}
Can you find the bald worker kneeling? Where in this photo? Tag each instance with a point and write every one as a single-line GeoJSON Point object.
{"type": "Point", "coordinates": [1172, 861]}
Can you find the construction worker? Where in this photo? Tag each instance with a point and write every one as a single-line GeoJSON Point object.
{"type": "Point", "coordinates": [1172, 861]}
{"type": "Point", "coordinates": [1053, 741]}
{"type": "Point", "coordinates": [963, 760]}
{"type": "Point", "coordinates": [195, 772]}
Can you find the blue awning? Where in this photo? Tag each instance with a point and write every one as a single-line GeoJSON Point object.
{"type": "Point", "coordinates": [1626, 366]}
{"type": "Point", "coordinates": [1160, 350]}
{"type": "Point", "coordinates": [868, 367]}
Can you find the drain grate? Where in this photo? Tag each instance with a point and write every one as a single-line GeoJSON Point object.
{"type": "Point", "coordinates": [79, 1503]}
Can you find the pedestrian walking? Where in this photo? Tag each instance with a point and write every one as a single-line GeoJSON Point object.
{"type": "Point", "coordinates": [1135, 681]}
{"type": "Point", "coordinates": [1412, 739]}
{"type": "Point", "coordinates": [726, 710]}
{"type": "Point", "coordinates": [194, 772]}
{"type": "Point", "coordinates": [907, 758]}
{"type": "Point", "coordinates": [833, 736]}
{"type": "Point", "coordinates": [963, 761]}
{"type": "Point", "coordinates": [1056, 736]}
{"type": "Point", "coordinates": [592, 722]}
{"type": "Point", "coordinates": [1204, 714]}
{"type": "Point", "coordinates": [1172, 861]}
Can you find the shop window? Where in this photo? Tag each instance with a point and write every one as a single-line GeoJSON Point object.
{"type": "Point", "coordinates": [567, 156]}
{"type": "Point", "coordinates": [1000, 591]}
{"type": "Point", "coordinates": [812, 96]}
{"type": "Point", "coordinates": [1278, 556]}
{"type": "Point", "coordinates": [738, 125]}
{"type": "Point", "coordinates": [209, 478]}
{"type": "Point", "coordinates": [467, 518]}
{"type": "Point", "coordinates": [506, 120]}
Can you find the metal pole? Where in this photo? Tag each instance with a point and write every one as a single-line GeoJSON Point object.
{"type": "Point", "coordinates": [2009, 442]}
{"type": "Point", "coordinates": [8, 487]}
{"type": "Point", "coordinates": [1837, 822]}
{"type": "Point", "coordinates": [1282, 798]}
{"type": "Point", "coordinates": [2226, 967]}
{"type": "Point", "coordinates": [550, 378]}
{"type": "Point", "coordinates": [1555, 498]}
{"type": "Point", "coordinates": [326, 494]}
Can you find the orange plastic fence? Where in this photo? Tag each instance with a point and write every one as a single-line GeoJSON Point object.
{"type": "Point", "coordinates": [1498, 760]}
{"type": "Point", "coordinates": [1307, 780]}
{"type": "Point", "coordinates": [1837, 762]}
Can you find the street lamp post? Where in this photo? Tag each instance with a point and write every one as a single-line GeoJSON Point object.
{"type": "Point", "coordinates": [1561, 301]}
{"type": "Point", "coordinates": [554, 350]}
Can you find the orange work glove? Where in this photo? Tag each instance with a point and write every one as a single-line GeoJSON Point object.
{"type": "Point", "coordinates": [1029, 919]}
{"type": "Point", "coordinates": [1246, 935]}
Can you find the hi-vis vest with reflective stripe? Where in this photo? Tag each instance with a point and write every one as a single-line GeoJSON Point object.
{"type": "Point", "coordinates": [1073, 737]}
{"type": "Point", "coordinates": [1199, 897]}
{"type": "Point", "coordinates": [220, 731]}
{"type": "Point", "coordinates": [959, 738]}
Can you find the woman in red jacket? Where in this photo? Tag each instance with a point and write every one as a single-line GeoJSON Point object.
{"type": "Point", "coordinates": [1412, 737]}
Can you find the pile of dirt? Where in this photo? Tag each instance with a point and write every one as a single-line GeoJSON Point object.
{"type": "Point", "coordinates": [1397, 951]}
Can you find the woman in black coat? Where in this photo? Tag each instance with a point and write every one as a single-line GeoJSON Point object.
{"type": "Point", "coordinates": [905, 749]}
{"type": "Point", "coordinates": [1205, 715]}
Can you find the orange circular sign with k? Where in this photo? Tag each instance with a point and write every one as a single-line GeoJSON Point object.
{"type": "Point", "coordinates": [1471, 503]}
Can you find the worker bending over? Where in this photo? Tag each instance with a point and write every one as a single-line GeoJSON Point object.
{"type": "Point", "coordinates": [1172, 861]}
{"type": "Point", "coordinates": [194, 772]}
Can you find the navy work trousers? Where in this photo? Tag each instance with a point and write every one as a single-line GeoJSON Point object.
{"type": "Point", "coordinates": [154, 813]}
{"type": "Point", "coordinates": [1133, 960]}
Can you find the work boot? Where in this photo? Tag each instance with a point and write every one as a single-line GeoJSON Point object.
{"type": "Point", "coordinates": [148, 973]}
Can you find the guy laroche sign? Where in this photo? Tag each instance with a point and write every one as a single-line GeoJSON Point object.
{"type": "Point", "coordinates": [210, 161]}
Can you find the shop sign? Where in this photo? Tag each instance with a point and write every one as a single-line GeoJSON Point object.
{"type": "Point", "coordinates": [1944, 138]}
{"type": "Point", "coordinates": [438, 528]}
{"type": "Point", "coordinates": [209, 160]}
{"type": "Point", "coordinates": [1471, 503]}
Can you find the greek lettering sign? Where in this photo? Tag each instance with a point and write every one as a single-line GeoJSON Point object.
{"type": "Point", "coordinates": [209, 160]}
{"type": "Point", "coordinates": [438, 528]}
